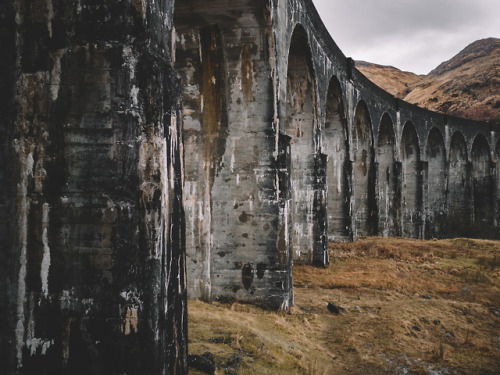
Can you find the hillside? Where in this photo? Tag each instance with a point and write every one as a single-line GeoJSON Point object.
{"type": "Point", "coordinates": [396, 82]}
{"type": "Point", "coordinates": [468, 85]}
{"type": "Point", "coordinates": [395, 306]}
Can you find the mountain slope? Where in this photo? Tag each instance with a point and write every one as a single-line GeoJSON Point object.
{"type": "Point", "coordinates": [468, 85]}
{"type": "Point", "coordinates": [396, 82]}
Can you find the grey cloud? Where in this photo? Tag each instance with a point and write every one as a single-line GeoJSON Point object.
{"type": "Point", "coordinates": [416, 33]}
{"type": "Point", "coordinates": [370, 19]}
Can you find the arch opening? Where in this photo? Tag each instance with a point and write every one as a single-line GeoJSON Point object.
{"type": "Point", "coordinates": [365, 206]}
{"type": "Point", "coordinates": [300, 124]}
{"type": "Point", "coordinates": [387, 178]}
{"type": "Point", "coordinates": [436, 184]}
{"type": "Point", "coordinates": [458, 186]}
{"type": "Point", "coordinates": [335, 147]}
{"type": "Point", "coordinates": [410, 183]}
{"type": "Point", "coordinates": [482, 184]}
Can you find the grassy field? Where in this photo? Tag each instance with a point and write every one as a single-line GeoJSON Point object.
{"type": "Point", "coordinates": [406, 307]}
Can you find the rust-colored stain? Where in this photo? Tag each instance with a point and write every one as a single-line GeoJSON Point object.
{"type": "Point", "coordinates": [213, 89]}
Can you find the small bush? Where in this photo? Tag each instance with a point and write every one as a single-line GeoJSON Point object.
{"type": "Point", "coordinates": [438, 353]}
{"type": "Point", "coordinates": [489, 262]}
{"type": "Point", "coordinates": [473, 275]}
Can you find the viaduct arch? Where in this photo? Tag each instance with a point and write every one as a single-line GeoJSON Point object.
{"type": "Point", "coordinates": [153, 149]}
{"type": "Point", "coordinates": [343, 157]}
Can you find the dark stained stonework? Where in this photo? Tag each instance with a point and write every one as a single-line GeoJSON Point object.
{"type": "Point", "coordinates": [92, 224]}
{"type": "Point", "coordinates": [286, 145]}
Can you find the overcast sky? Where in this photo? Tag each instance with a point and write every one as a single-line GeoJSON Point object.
{"type": "Point", "coordinates": [412, 35]}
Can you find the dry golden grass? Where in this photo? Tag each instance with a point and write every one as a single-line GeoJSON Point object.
{"type": "Point", "coordinates": [416, 307]}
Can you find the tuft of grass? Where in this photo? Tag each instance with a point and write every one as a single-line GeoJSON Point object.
{"type": "Point", "coordinates": [438, 353]}
{"type": "Point", "coordinates": [472, 275]}
{"type": "Point", "coordinates": [411, 306]}
{"type": "Point", "coordinates": [489, 262]}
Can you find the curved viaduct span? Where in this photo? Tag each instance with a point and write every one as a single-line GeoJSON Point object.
{"type": "Point", "coordinates": [233, 134]}
{"type": "Point", "coordinates": [287, 145]}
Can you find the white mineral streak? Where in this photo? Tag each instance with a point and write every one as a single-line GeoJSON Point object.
{"type": "Point", "coordinates": [337, 162]}
{"type": "Point", "coordinates": [190, 189]}
{"type": "Point", "coordinates": [55, 74]}
{"type": "Point", "coordinates": [197, 39]}
{"type": "Point", "coordinates": [233, 147]}
{"type": "Point", "coordinates": [44, 272]}
{"type": "Point", "coordinates": [287, 213]}
{"type": "Point", "coordinates": [387, 203]}
{"type": "Point", "coordinates": [134, 92]}
{"type": "Point", "coordinates": [34, 343]}
{"type": "Point", "coordinates": [29, 165]}
{"type": "Point", "coordinates": [50, 16]}
{"type": "Point", "coordinates": [165, 192]}
{"type": "Point", "coordinates": [130, 61]}
{"type": "Point", "coordinates": [398, 127]}
{"type": "Point", "coordinates": [207, 234]}
{"type": "Point", "coordinates": [174, 144]}
{"type": "Point", "coordinates": [22, 221]}
{"type": "Point", "coordinates": [350, 112]}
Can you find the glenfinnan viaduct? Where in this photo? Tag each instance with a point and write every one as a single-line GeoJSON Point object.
{"type": "Point", "coordinates": [152, 150]}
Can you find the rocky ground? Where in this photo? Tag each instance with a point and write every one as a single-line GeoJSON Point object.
{"type": "Point", "coordinates": [383, 306]}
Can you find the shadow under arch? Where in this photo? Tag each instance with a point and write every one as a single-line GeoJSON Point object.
{"type": "Point", "coordinates": [411, 189]}
{"type": "Point", "coordinates": [435, 212]}
{"type": "Point", "coordinates": [365, 204]}
{"type": "Point", "coordinates": [335, 146]}
{"type": "Point", "coordinates": [482, 183]}
{"type": "Point", "coordinates": [387, 178]}
{"type": "Point", "coordinates": [301, 120]}
{"type": "Point", "coordinates": [459, 215]}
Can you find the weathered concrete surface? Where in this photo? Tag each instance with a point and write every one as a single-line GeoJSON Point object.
{"type": "Point", "coordinates": [235, 233]}
{"type": "Point", "coordinates": [459, 184]}
{"type": "Point", "coordinates": [437, 174]}
{"type": "Point", "coordinates": [335, 147]}
{"type": "Point", "coordinates": [388, 202]}
{"type": "Point", "coordinates": [288, 145]}
{"type": "Point", "coordinates": [411, 210]}
{"type": "Point", "coordinates": [285, 144]}
{"type": "Point", "coordinates": [92, 230]}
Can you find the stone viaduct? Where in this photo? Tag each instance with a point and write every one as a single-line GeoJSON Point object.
{"type": "Point", "coordinates": [152, 149]}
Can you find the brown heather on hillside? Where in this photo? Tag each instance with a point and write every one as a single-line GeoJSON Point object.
{"type": "Point", "coordinates": [396, 82]}
{"type": "Point", "coordinates": [468, 85]}
{"type": "Point", "coordinates": [405, 307]}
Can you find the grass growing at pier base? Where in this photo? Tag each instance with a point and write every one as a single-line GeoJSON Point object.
{"type": "Point", "coordinates": [406, 306]}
